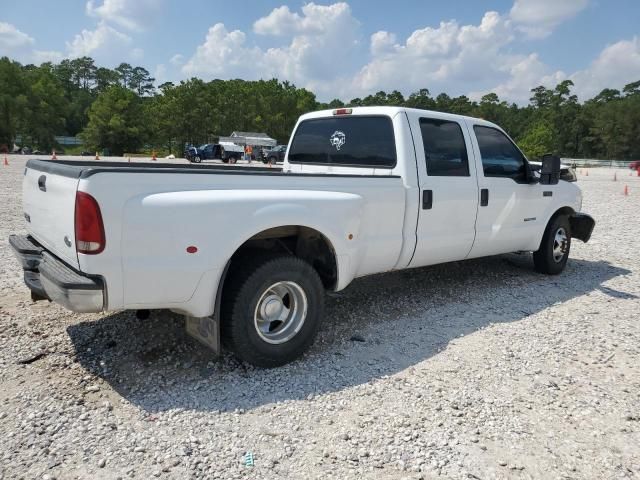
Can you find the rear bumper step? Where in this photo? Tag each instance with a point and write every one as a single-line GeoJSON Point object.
{"type": "Point", "coordinates": [28, 251]}
{"type": "Point", "coordinates": [49, 278]}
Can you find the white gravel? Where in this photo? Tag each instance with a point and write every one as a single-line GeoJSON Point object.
{"type": "Point", "coordinates": [479, 369]}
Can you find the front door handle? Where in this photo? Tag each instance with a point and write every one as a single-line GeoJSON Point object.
{"type": "Point", "coordinates": [484, 197]}
{"type": "Point", "coordinates": [427, 199]}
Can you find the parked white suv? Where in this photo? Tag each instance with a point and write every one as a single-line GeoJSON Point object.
{"type": "Point", "coordinates": [251, 251]}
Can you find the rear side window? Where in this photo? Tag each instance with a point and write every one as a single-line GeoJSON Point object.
{"type": "Point", "coordinates": [500, 157]}
{"type": "Point", "coordinates": [444, 148]}
{"type": "Point", "coordinates": [356, 141]}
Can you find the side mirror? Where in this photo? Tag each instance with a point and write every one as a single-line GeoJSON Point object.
{"type": "Point", "coordinates": [550, 171]}
{"type": "Point", "coordinates": [529, 169]}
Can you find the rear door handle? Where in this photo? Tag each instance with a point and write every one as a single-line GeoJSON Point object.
{"type": "Point", "coordinates": [484, 197]}
{"type": "Point", "coordinates": [42, 183]}
{"type": "Point", "coordinates": [427, 199]}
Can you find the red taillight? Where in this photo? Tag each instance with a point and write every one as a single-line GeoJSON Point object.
{"type": "Point", "coordinates": [90, 238]}
{"type": "Point", "coordinates": [343, 111]}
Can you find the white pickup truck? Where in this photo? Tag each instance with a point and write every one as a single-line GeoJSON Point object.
{"type": "Point", "coordinates": [251, 250]}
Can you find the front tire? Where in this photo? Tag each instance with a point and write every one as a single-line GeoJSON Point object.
{"type": "Point", "coordinates": [554, 250]}
{"type": "Point", "coordinates": [271, 311]}
{"type": "Point", "coordinates": [197, 159]}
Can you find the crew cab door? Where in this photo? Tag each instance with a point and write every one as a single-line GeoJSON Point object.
{"type": "Point", "coordinates": [448, 189]}
{"type": "Point", "coordinates": [510, 211]}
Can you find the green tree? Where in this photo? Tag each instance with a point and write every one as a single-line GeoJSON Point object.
{"type": "Point", "coordinates": [45, 107]}
{"type": "Point", "coordinates": [116, 121]}
{"type": "Point", "coordinates": [104, 78]}
{"type": "Point", "coordinates": [12, 100]}
{"type": "Point", "coordinates": [141, 82]}
{"type": "Point", "coordinates": [537, 141]}
{"type": "Point", "coordinates": [124, 71]}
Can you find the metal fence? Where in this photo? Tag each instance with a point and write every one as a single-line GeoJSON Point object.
{"type": "Point", "coordinates": [60, 140]}
{"type": "Point", "coordinates": [592, 162]}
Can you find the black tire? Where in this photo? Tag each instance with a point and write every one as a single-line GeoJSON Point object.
{"type": "Point", "coordinates": [544, 259]}
{"type": "Point", "coordinates": [233, 159]}
{"type": "Point", "coordinates": [197, 159]}
{"type": "Point", "coordinates": [246, 285]}
{"type": "Point", "coordinates": [273, 160]}
{"type": "Point", "coordinates": [225, 160]}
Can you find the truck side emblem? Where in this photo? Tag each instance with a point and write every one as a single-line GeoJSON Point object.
{"type": "Point", "coordinates": [338, 139]}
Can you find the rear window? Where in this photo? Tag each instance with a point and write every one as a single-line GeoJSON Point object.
{"type": "Point", "coordinates": [349, 141]}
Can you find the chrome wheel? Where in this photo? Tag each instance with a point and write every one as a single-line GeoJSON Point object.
{"type": "Point", "coordinates": [560, 244]}
{"type": "Point", "coordinates": [280, 312]}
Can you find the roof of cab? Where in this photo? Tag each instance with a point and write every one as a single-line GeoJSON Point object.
{"type": "Point", "coordinates": [392, 111]}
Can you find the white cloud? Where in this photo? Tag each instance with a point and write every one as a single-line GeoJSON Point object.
{"type": "Point", "coordinates": [12, 39]}
{"type": "Point", "coordinates": [382, 42]}
{"type": "Point", "coordinates": [315, 20]}
{"type": "Point", "coordinates": [521, 74]}
{"type": "Point", "coordinates": [321, 45]}
{"type": "Point", "coordinates": [177, 60]}
{"type": "Point", "coordinates": [538, 18]}
{"type": "Point", "coordinates": [278, 22]}
{"type": "Point", "coordinates": [20, 46]}
{"type": "Point", "coordinates": [321, 50]}
{"type": "Point", "coordinates": [616, 66]}
{"type": "Point", "coordinates": [130, 14]}
{"type": "Point", "coordinates": [450, 57]}
{"type": "Point", "coordinates": [105, 44]}
{"type": "Point", "coordinates": [41, 56]}
{"type": "Point", "coordinates": [223, 53]}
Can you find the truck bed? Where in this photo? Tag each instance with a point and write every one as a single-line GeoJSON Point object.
{"type": "Point", "coordinates": [84, 169]}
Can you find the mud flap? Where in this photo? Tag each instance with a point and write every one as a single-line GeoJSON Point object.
{"type": "Point", "coordinates": [581, 226]}
{"type": "Point", "coordinates": [206, 330]}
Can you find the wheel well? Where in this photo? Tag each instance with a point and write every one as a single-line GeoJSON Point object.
{"type": "Point", "coordinates": [303, 242]}
{"type": "Point", "coordinates": [562, 211]}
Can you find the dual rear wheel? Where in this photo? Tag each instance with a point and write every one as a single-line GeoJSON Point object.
{"type": "Point", "coordinates": [271, 311]}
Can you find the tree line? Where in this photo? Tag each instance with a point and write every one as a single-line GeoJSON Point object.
{"type": "Point", "coordinates": [122, 110]}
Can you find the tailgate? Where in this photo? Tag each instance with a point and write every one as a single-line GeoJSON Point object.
{"type": "Point", "coordinates": [48, 201]}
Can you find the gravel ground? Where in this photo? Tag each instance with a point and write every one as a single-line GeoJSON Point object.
{"type": "Point", "coordinates": [479, 369]}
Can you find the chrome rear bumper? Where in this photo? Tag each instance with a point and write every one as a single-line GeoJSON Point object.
{"type": "Point", "coordinates": [49, 278]}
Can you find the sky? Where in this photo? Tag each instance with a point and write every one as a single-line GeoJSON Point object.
{"type": "Point", "coordinates": [344, 49]}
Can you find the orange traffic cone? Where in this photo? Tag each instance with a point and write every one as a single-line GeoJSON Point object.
{"type": "Point", "coordinates": [154, 158]}
{"type": "Point", "coordinates": [626, 190]}
{"type": "Point", "coordinates": [6, 161]}
{"type": "Point", "coordinates": [53, 156]}
{"type": "Point", "coordinates": [97, 156]}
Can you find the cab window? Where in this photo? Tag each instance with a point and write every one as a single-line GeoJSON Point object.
{"type": "Point", "coordinates": [355, 141]}
{"type": "Point", "coordinates": [444, 148]}
{"type": "Point", "coordinates": [500, 157]}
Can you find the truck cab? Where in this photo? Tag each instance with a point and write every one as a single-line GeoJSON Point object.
{"type": "Point", "coordinates": [471, 189]}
